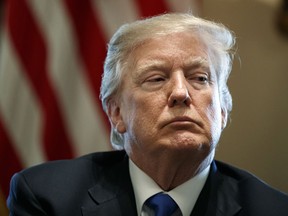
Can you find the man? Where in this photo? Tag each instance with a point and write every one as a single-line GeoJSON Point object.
{"type": "Point", "coordinates": [164, 90]}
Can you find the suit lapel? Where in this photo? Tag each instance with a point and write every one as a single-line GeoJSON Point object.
{"type": "Point", "coordinates": [112, 194]}
{"type": "Point", "coordinates": [218, 197]}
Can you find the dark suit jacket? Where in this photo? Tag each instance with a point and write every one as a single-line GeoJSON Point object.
{"type": "Point", "coordinates": [99, 184]}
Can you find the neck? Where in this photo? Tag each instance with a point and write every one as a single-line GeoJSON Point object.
{"type": "Point", "coordinates": [170, 170]}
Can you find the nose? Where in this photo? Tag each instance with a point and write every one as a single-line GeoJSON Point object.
{"type": "Point", "coordinates": [179, 94]}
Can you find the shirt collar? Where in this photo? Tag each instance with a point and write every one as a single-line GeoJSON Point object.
{"type": "Point", "coordinates": [185, 195]}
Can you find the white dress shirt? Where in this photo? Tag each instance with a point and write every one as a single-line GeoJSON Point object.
{"type": "Point", "coordinates": [185, 195]}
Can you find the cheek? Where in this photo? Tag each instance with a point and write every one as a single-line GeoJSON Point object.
{"type": "Point", "coordinates": [214, 116]}
{"type": "Point", "coordinates": [141, 109]}
{"type": "Point", "coordinates": [147, 111]}
{"type": "Point", "coordinates": [150, 103]}
{"type": "Point", "coordinates": [210, 110]}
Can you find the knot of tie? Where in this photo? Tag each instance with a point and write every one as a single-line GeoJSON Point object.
{"type": "Point", "coordinates": [162, 204]}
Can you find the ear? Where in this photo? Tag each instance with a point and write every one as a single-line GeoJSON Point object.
{"type": "Point", "coordinates": [115, 116]}
{"type": "Point", "coordinates": [224, 117]}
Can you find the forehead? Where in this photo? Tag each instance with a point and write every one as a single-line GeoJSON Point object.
{"type": "Point", "coordinates": [173, 50]}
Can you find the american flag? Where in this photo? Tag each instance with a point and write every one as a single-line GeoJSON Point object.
{"type": "Point", "coordinates": [51, 58]}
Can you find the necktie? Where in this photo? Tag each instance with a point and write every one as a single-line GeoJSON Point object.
{"type": "Point", "coordinates": [162, 204]}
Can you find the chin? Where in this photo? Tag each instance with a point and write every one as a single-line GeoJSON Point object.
{"type": "Point", "coordinates": [191, 144]}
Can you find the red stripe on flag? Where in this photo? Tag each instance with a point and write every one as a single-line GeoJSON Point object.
{"type": "Point", "coordinates": [151, 7]}
{"type": "Point", "coordinates": [9, 161]}
{"type": "Point", "coordinates": [91, 43]}
{"type": "Point", "coordinates": [30, 46]}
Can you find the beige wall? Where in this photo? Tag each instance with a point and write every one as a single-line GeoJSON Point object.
{"type": "Point", "coordinates": [257, 137]}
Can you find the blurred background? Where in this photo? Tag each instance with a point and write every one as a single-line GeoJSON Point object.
{"type": "Point", "coordinates": [51, 57]}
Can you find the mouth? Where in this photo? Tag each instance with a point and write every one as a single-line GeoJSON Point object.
{"type": "Point", "coordinates": [182, 121]}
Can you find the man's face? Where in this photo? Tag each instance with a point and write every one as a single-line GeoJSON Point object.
{"type": "Point", "coordinates": [168, 99]}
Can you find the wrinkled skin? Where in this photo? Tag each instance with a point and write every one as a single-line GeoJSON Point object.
{"type": "Point", "coordinates": [169, 108]}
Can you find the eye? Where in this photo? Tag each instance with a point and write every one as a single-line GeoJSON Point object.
{"type": "Point", "coordinates": [155, 79]}
{"type": "Point", "coordinates": [202, 79]}
{"type": "Point", "coordinates": [199, 78]}
{"type": "Point", "coordinates": [154, 82]}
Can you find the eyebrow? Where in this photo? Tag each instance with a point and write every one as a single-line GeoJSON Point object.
{"type": "Point", "coordinates": [197, 62]}
{"type": "Point", "coordinates": [163, 64]}
{"type": "Point", "coordinates": [152, 64]}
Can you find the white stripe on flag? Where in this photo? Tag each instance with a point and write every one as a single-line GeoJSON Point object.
{"type": "Point", "coordinates": [19, 107]}
{"type": "Point", "coordinates": [115, 13]}
{"type": "Point", "coordinates": [82, 114]}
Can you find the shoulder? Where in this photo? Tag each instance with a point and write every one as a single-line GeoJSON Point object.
{"type": "Point", "coordinates": [84, 165]}
{"type": "Point", "coordinates": [253, 193]}
{"type": "Point", "coordinates": [230, 171]}
{"type": "Point", "coordinates": [47, 185]}
{"type": "Point", "coordinates": [62, 175]}
{"type": "Point", "coordinates": [246, 180]}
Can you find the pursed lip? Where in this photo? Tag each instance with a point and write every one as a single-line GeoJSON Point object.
{"type": "Point", "coordinates": [180, 119]}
